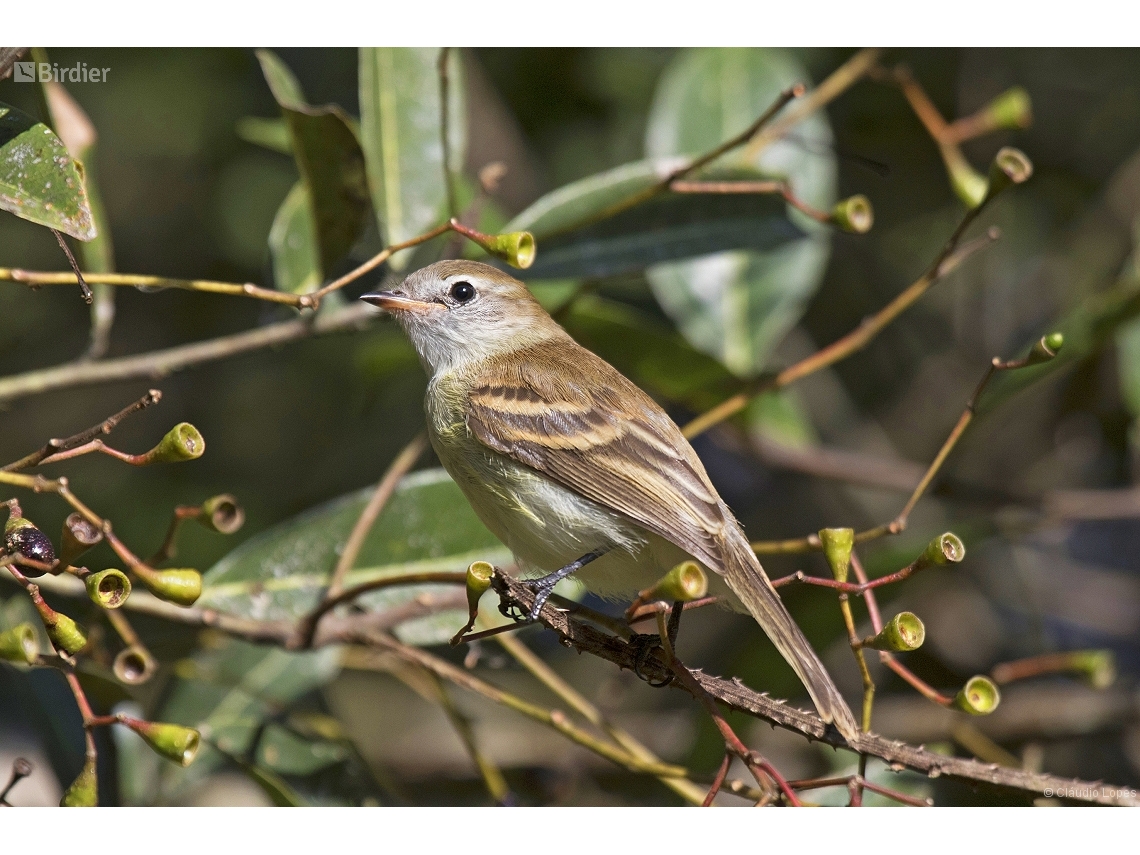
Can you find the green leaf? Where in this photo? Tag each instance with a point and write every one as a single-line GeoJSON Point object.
{"type": "Point", "coordinates": [228, 690]}
{"type": "Point", "coordinates": [737, 306]}
{"type": "Point", "coordinates": [39, 180]}
{"type": "Point", "coordinates": [1128, 362]}
{"type": "Point", "coordinates": [281, 750]}
{"type": "Point", "coordinates": [327, 150]}
{"type": "Point", "coordinates": [427, 525]}
{"type": "Point", "coordinates": [573, 242]}
{"type": "Point", "coordinates": [272, 134]}
{"type": "Point", "coordinates": [400, 131]}
{"type": "Point", "coordinates": [293, 244]}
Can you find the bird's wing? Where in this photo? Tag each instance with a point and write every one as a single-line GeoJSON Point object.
{"type": "Point", "coordinates": [558, 408]}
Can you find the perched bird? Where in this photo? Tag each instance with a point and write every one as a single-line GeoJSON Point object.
{"type": "Point", "coordinates": [570, 464]}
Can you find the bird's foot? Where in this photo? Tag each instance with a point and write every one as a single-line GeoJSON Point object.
{"type": "Point", "coordinates": [644, 645]}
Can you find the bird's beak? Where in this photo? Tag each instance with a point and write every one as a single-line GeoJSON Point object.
{"type": "Point", "coordinates": [393, 301]}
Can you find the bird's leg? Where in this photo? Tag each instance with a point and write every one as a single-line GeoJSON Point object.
{"type": "Point", "coordinates": [646, 643]}
{"type": "Point", "coordinates": [675, 621]}
{"type": "Point", "coordinates": [545, 586]}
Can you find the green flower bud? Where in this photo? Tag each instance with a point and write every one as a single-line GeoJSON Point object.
{"type": "Point", "coordinates": [172, 741]}
{"type": "Point", "coordinates": [479, 575]}
{"type": "Point", "coordinates": [108, 588]}
{"type": "Point", "coordinates": [21, 535]}
{"type": "Point", "coordinates": [837, 546]}
{"type": "Point", "coordinates": [222, 514]}
{"type": "Point", "coordinates": [945, 549]}
{"type": "Point", "coordinates": [980, 696]}
{"type": "Point", "coordinates": [1046, 348]}
{"type": "Point", "coordinates": [18, 644]}
{"type": "Point", "coordinates": [84, 790]}
{"type": "Point", "coordinates": [77, 537]}
{"type": "Point", "coordinates": [182, 442]}
{"type": "Point", "coordinates": [134, 665]}
{"type": "Point", "coordinates": [181, 586]}
{"type": "Point", "coordinates": [903, 633]}
{"type": "Point", "coordinates": [1097, 666]}
{"type": "Point", "coordinates": [853, 214]}
{"type": "Point", "coordinates": [968, 185]}
{"type": "Point", "coordinates": [1009, 166]}
{"type": "Point", "coordinates": [64, 633]}
{"type": "Point", "coordinates": [515, 248]}
{"type": "Point", "coordinates": [1012, 110]}
{"type": "Point", "coordinates": [687, 581]}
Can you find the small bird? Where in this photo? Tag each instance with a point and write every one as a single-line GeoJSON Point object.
{"type": "Point", "coordinates": [570, 464]}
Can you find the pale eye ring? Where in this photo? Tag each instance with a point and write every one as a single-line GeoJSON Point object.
{"type": "Point", "coordinates": [463, 292]}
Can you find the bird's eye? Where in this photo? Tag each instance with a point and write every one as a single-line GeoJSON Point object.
{"type": "Point", "coordinates": [463, 292]}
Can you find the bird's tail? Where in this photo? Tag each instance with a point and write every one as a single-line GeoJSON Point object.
{"type": "Point", "coordinates": [746, 578]}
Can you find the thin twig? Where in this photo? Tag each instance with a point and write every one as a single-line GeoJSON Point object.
{"type": "Point", "coordinates": [492, 777]}
{"type": "Point", "coordinates": [53, 446]}
{"type": "Point", "coordinates": [812, 542]}
{"type": "Point", "coordinates": [947, 260]}
{"type": "Point", "coordinates": [160, 363]}
{"type": "Point", "coordinates": [838, 82]}
{"type": "Point", "coordinates": [546, 675]}
{"type": "Point", "coordinates": [662, 186]}
{"type": "Point", "coordinates": [399, 467]}
{"type": "Point", "coordinates": [83, 289]}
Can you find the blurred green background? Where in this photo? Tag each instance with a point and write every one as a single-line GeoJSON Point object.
{"type": "Point", "coordinates": [292, 427]}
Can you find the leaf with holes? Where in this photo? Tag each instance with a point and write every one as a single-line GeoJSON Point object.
{"type": "Point", "coordinates": [39, 180]}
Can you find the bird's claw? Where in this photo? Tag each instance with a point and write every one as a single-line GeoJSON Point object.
{"type": "Point", "coordinates": [645, 644]}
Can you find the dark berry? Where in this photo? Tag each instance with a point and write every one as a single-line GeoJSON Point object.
{"type": "Point", "coordinates": [23, 537]}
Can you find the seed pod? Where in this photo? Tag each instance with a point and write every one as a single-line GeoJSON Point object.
{"type": "Point", "coordinates": [172, 741]}
{"type": "Point", "coordinates": [108, 588]}
{"type": "Point", "coordinates": [945, 549]}
{"type": "Point", "coordinates": [479, 575]}
{"type": "Point", "coordinates": [18, 644]}
{"type": "Point", "coordinates": [837, 546]}
{"type": "Point", "coordinates": [980, 696]}
{"type": "Point", "coordinates": [84, 790]}
{"type": "Point", "coordinates": [902, 633]}
{"type": "Point", "coordinates": [222, 514]}
{"type": "Point", "coordinates": [687, 581]}
{"type": "Point", "coordinates": [64, 633]}
{"type": "Point", "coordinates": [515, 248]}
{"type": "Point", "coordinates": [1012, 110]}
{"type": "Point", "coordinates": [77, 537]}
{"type": "Point", "coordinates": [182, 586]}
{"type": "Point", "coordinates": [134, 665]}
{"type": "Point", "coordinates": [1009, 166]}
{"type": "Point", "coordinates": [853, 214]}
{"type": "Point", "coordinates": [1046, 348]}
{"type": "Point", "coordinates": [182, 442]}
{"type": "Point", "coordinates": [21, 535]}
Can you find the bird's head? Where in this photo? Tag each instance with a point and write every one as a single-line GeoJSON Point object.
{"type": "Point", "coordinates": [458, 312]}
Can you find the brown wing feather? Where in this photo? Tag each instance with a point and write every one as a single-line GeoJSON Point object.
{"type": "Point", "coordinates": [558, 408]}
{"type": "Point", "coordinates": [605, 439]}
